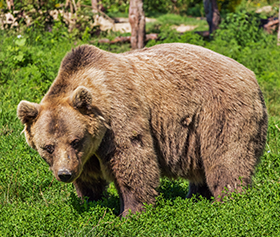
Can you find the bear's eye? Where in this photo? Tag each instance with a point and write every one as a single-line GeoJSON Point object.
{"type": "Point", "coordinates": [49, 148]}
{"type": "Point", "coordinates": [75, 144]}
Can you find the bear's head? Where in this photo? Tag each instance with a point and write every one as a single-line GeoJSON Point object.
{"type": "Point", "coordinates": [66, 132]}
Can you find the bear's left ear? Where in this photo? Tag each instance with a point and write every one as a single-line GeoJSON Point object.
{"type": "Point", "coordinates": [82, 99]}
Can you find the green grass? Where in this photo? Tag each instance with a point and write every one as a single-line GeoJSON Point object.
{"type": "Point", "coordinates": [173, 19]}
{"type": "Point", "coordinates": [33, 203]}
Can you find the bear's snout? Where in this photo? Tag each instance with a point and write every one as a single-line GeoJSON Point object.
{"type": "Point", "coordinates": [64, 175]}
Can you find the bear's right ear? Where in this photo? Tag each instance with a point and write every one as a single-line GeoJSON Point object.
{"type": "Point", "coordinates": [27, 111]}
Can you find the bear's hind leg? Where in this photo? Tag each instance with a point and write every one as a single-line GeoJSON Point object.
{"type": "Point", "coordinates": [222, 180]}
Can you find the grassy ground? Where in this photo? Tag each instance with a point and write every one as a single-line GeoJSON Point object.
{"type": "Point", "coordinates": [172, 19]}
{"type": "Point", "coordinates": [33, 203]}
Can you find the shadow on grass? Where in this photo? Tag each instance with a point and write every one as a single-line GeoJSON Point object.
{"type": "Point", "coordinates": [108, 201]}
{"type": "Point", "coordinates": [170, 190]}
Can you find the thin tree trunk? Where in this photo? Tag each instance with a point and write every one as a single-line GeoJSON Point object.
{"type": "Point", "coordinates": [137, 22]}
{"type": "Point", "coordinates": [212, 14]}
{"type": "Point", "coordinates": [94, 4]}
{"type": "Point", "coordinates": [69, 3]}
{"type": "Point", "coordinates": [10, 4]}
{"type": "Point", "coordinates": [74, 5]}
{"type": "Point", "coordinates": [278, 35]}
{"type": "Point", "coordinates": [216, 15]}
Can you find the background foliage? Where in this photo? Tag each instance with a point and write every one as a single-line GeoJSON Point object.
{"type": "Point", "coordinates": [33, 203]}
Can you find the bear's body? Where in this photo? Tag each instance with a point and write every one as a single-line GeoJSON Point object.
{"type": "Point", "coordinates": [174, 110]}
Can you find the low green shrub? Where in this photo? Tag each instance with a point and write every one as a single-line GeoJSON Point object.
{"type": "Point", "coordinates": [241, 28]}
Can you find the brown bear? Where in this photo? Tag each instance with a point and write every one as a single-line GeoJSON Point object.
{"type": "Point", "coordinates": [174, 110]}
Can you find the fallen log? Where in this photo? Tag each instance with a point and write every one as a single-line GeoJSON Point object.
{"type": "Point", "coordinates": [271, 25]}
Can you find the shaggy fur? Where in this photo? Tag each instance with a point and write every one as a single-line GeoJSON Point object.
{"type": "Point", "coordinates": [174, 110]}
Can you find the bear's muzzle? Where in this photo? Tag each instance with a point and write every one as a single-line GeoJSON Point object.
{"type": "Point", "coordinates": [65, 175]}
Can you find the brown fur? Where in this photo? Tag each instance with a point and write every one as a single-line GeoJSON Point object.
{"type": "Point", "coordinates": [174, 110]}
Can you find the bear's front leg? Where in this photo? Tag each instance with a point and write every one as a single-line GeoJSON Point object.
{"type": "Point", "coordinates": [199, 189]}
{"type": "Point", "coordinates": [93, 189]}
{"type": "Point", "coordinates": [130, 201]}
{"type": "Point", "coordinates": [136, 174]}
{"type": "Point", "coordinates": [91, 182]}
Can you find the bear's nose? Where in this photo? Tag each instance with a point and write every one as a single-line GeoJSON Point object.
{"type": "Point", "coordinates": [64, 175]}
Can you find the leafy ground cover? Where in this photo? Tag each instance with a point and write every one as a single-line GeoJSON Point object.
{"type": "Point", "coordinates": [33, 203]}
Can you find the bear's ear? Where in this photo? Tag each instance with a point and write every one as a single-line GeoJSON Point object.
{"type": "Point", "coordinates": [27, 111]}
{"type": "Point", "coordinates": [82, 99]}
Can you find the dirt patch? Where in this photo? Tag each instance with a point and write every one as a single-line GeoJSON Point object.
{"type": "Point", "coordinates": [183, 28]}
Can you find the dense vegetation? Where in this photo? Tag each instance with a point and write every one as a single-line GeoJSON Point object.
{"type": "Point", "coordinates": [33, 203]}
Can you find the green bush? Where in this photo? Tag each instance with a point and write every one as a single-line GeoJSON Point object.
{"type": "Point", "coordinates": [240, 28]}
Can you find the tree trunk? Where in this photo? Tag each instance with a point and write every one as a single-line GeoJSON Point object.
{"type": "Point", "coordinates": [278, 35]}
{"type": "Point", "coordinates": [94, 4]}
{"type": "Point", "coordinates": [68, 3]}
{"type": "Point", "coordinates": [212, 14]}
{"type": "Point", "coordinates": [216, 15]}
{"type": "Point", "coordinates": [137, 22]}
{"type": "Point", "coordinates": [10, 4]}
